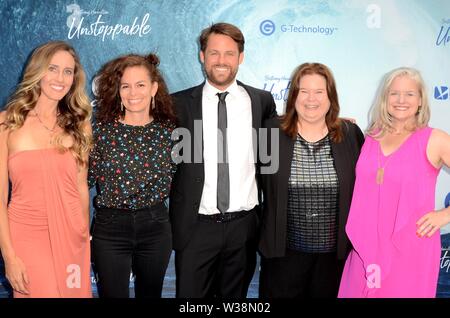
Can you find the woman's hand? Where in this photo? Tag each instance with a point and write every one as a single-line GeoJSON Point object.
{"type": "Point", "coordinates": [432, 221]}
{"type": "Point", "coordinates": [17, 275]}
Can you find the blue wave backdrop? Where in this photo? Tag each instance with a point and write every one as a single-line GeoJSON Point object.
{"type": "Point", "coordinates": [360, 40]}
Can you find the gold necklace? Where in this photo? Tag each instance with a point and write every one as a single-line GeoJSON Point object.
{"type": "Point", "coordinates": [380, 169]}
{"type": "Point", "coordinates": [51, 130]}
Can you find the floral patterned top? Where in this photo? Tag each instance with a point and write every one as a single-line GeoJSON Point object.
{"type": "Point", "coordinates": [131, 166]}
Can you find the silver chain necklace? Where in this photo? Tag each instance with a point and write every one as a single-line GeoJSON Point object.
{"type": "Point", "coordinates": [52, 130]}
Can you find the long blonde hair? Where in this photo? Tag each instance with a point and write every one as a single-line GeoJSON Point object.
{"type": "Point", "coordinates": [380, 119]}
{"type": "Point", "coordinates": [74, 110]}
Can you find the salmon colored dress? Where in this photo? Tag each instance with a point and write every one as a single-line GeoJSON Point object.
{"type": "Point", "coordinates": [48, 230]}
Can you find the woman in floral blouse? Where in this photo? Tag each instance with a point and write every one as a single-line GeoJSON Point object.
{"type": "Point", "coordinates": [132, 169]}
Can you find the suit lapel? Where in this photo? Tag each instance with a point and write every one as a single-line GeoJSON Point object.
{"type": "Point", "coordinates": [196, 102]}
{"type": "Point", "coordinates": [287, 151]}
{"type": "Point", "coordinates": [345, 174]}
{"type": "Point", "coordinates": [197, 114]}
{"type": "Point", "coordinates": [341, 161]}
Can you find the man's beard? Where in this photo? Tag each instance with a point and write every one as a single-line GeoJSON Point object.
{"type": "Point", "coordinates": [219, 81]}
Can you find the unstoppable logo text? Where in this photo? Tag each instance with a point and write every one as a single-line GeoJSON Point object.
{"type": "Point", "coordinates": [444, 33]}
{"type": "Point", "coordinates": [278, 86]}
{"type": "Point", "coordinates": [78, 27]}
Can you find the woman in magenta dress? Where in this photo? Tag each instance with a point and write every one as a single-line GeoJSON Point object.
{"type": "Point", "coordinates": [44, 144]}
{"type": "Point", "coordinates": [393, 225]}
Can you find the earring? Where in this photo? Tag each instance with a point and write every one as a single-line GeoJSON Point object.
{"type": "Point", "coordinates": [153, 102]}
{"type": "Point", "coordinates": [121, 106]}
{"type": "Point", "coordinates": [419, 109]}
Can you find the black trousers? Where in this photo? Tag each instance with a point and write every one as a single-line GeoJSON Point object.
{"type": "Point", "coordinates": [300, 275]}
{"type": "Point", "coordinates": [131, 240]}
{"type": "Point", "coordinates": [219, 260]}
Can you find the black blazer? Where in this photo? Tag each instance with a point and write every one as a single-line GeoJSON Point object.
{"type": "Point", "coordinates": [272, 241]}
{"type": "Point", "coordinates": [187, 185]}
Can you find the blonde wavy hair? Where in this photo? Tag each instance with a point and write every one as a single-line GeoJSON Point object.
{"type": "Point", "coordinates": [74, 110]}
{"type": "Point", "coordinates": [380, 120]}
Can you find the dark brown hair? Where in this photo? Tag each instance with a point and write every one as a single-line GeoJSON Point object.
{"type": "Point", "coordinates": [224, 29]}
{"type": "Point", "coordinates": [108, 84]}
{"type": "Point", "coordinates": [290, 118]}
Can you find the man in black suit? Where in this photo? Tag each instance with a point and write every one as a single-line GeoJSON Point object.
{"type": "Point", "coordinates": [214, 199]}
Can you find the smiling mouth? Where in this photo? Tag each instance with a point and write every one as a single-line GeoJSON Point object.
{"type": "Point", "coordinates": [221, 68]}
{"type": "Point", "coordinates": [58, 88]}
{"type": "Point", "coordinates": [134, 101]}
{"type": "Point", "coordinates": [311, 106]}
{"type": "Point", "coordinates": [402, 108]}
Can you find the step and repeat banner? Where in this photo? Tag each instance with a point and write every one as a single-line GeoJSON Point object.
{"type": "Point", "coordinates": [360, 40]}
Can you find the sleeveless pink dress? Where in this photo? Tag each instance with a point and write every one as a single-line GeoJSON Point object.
{"type": "Point", "coordinates": [48, 231]}
{"type": "Point", "coordinates": [388, 259]}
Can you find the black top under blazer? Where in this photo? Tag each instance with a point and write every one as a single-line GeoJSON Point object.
{"type": "Point", "coordinates": [272, 241]}
{"type": "Point", "coordinates": [188, 181]}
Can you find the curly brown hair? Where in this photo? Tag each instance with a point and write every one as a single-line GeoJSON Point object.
{"type": "Point", "coordinates": [108, 84]}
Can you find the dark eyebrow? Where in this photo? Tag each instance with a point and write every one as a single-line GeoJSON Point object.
{"type": "Point", "coordinates": [139, 82]}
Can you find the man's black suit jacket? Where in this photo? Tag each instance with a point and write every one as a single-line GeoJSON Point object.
{"type": "Point", "coordinates": [187, 185]}
{"type": "Point", "coordinates": [273, 229]}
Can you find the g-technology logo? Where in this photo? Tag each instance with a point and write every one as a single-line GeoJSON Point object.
{"type": "Point", "coordinates": [441, 92]}
{"type": "Point", "coordinates": [267, 27]}
{"type": "Point", "coordinates": [314, 29]}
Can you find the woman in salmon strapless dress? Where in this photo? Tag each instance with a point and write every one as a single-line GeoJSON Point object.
{"type": "Point", "coordinates": [45, 139]}
{"type": "Point", "coordinates": [393, 225]}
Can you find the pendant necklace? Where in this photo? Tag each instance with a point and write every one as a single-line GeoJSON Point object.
{"type": "Point", "coordinates": [51, 130]}
{"type": "Point", "coordinates": [380, 170]}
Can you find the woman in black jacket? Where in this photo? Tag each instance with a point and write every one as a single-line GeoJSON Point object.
{"type": "Point", "coordinates": [306, 202]}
